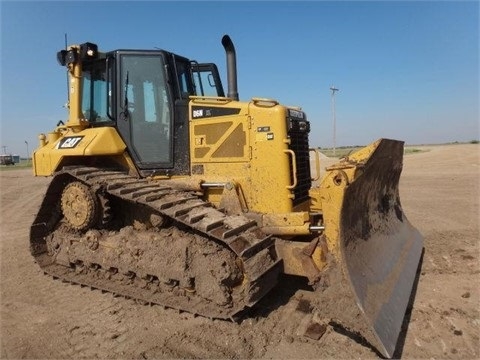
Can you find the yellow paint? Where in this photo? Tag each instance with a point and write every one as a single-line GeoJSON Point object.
{"type": "Point", "coordinates": [249, 150]}
{"type": "Point", "coordinates": [239, 147]}
{"type": "Point", "coordinates": [329, 197]}
{"type": "Point", "coordinates": [76, 121]}
{"type": "Point", "coordinates": [100, 141]}
{"type": "Point", "coordinates": [293, 262]}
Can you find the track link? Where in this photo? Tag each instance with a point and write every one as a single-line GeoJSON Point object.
{"type": "Point", "coordinates": [192, 219]}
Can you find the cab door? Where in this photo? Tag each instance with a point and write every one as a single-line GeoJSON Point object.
{"type": "Point", "coordinates": [145, 115]}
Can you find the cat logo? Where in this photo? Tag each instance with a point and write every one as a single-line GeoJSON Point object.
{"type": "Point", "coordinates": [69, 142]}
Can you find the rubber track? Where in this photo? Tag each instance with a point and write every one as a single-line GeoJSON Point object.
{"type": "Point", "coordinates": [238, 233]}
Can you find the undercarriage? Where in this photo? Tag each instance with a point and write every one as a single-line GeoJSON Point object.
{"type": "Point", "coordinates": [140, 239]}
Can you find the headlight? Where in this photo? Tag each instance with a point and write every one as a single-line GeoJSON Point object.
{"type": "Point", "coordinates": [88, 51]}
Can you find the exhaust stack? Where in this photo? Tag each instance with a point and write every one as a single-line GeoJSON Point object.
{"type": "Point", "coordinates": [231, 67]}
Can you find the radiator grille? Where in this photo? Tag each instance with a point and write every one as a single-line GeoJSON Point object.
{"type": "Point", "coordinates": [298, 130]}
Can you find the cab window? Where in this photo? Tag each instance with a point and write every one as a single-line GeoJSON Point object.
{"type": "Point", "coordinates": [207, 80]}
{"type": "Point", "coordinates": [148, 107]}
{"type": "Point", "coordinates": [96, 93]}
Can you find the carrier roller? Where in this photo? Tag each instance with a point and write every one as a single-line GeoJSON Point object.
{"type": "Point", "coordinates": [142, 240]}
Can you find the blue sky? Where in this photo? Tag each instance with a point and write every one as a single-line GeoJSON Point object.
{"type": "Point", "coordinates": [405, 70]}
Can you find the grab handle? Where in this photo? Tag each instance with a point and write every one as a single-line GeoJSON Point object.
{"type": "Point", "coordinates": [294, 168]}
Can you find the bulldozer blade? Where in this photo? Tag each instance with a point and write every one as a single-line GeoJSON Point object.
{"type": "Point", "coordinates": [378, 249]}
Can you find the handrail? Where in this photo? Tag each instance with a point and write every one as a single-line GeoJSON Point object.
{"type": "Point", "coordinates": [294, 168]}
{"type": "Point", "coordinates": [264, 102]}
{"type": "Point", "coordinates": [210, 99]}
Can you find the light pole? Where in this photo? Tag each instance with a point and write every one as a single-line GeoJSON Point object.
{"type": "Point", "coordinates": [28, 154]}
{"type": "Point", "coordinates": [333, 88]}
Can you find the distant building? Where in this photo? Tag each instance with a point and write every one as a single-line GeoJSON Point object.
{"type": "Point", "coordinates": [6, 159]}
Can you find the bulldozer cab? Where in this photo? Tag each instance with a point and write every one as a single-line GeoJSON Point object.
{"type": "Point", "coordinates": [145, 94]}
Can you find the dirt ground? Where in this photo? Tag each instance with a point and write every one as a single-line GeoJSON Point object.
{"type": "Point", "coordinates": [45, 318]}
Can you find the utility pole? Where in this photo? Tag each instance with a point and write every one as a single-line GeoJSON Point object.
{"type": "Point", "coordinates": [4, 149]}
{"type": "Point", "coordinates": [333, 88]}
{"type": "Point", "coordinates": [28, 154]}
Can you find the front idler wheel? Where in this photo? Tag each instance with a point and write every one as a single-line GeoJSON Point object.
{"type": "Point", "coordinates": [80, 206]}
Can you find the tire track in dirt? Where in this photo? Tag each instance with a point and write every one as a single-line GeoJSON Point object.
{"type": "Point", "coordinates": [90, 338]}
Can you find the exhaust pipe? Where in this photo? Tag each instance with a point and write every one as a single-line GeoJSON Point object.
{"type": "Point", "coordinates": [231, 67]}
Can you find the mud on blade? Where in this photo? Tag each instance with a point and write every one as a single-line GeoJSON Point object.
{"type": "Point", "coordinates": [377, 247]}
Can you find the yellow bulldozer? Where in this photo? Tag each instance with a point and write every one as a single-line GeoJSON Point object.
{"type": "Point", "coordinates": [166, 190]}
